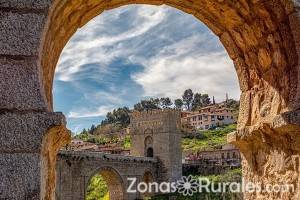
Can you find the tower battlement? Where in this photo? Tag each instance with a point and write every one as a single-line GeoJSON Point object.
{"type": "Point", "coordinates": [154, 119]}
{"type": "Point", "coordinates": [154, 114]}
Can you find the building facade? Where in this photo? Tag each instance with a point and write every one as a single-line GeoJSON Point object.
{"type": "Point", "coordinates": [210, 162]}
{"type": "Point", "coordinates": [208, 117]}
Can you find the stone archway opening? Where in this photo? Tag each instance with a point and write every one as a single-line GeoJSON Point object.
{"type": "Point", "coordinates": [147, 178]}
{"type": "Point", "coordinates": [105, 184]}
{"type": "Point", "coordinates": [259, 37]}
{"type": "Point", "coordinates": [149, 152]}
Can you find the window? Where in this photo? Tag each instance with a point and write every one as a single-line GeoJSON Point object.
{"type": "Point", "coordinates": [233, 155]}
{"type": "Point", "coordinates": [199, 117]}
{"type": "Point", "coordinates": [213, 118]}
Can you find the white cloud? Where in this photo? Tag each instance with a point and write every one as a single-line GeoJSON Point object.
{"type": "Point", "coordinates": [107, 97]}
{"type": "Point", "coordinates": [98, 112]}
{"type": "Point", "coordinates": [182, 65]}
{"type": "Point", "coordinates": [85, 47]}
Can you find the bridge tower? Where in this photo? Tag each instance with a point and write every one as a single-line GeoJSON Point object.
{"type": "Point", "coordinates": [156, 133]}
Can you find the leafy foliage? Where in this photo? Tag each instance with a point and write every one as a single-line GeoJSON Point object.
{"type": "Point", "coordinates": [178, 103]}
{"type": "Point", "coordinates": [97, 189]}
{"type": "Point", "coordinates": [145, 105]}
{"type": "Point", "coordinates": [209, 139]}
{"type": "Point", "coordinates": [234, 106]}
{"type": "Point", "coordinates": [187, 98]}
{"type": "Point", "coordinates": [166, 102]}
{"type": "Point", "coordinates": [119, 116]}
{"type": "Point", "coordinates": [127, 142]}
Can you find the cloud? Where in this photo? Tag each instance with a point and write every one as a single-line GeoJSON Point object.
{"type": "Point", "coordinates": [100, 111]}
{"type": "Point", "coordinates": [106, 97]}
{"type": "Point", "coordinates": [100, 48]}
{"type": "Point", "coordinates": [184, 65]}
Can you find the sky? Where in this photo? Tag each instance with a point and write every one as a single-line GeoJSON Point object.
{"type": "Point", "coordinates": [137, 52]}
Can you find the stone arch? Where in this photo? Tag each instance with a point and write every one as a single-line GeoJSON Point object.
{"type": "Point", "coordinates": [148, 143]}
{"type": "Point", "coordinates": [148, 178]}
{"type": "Point", "coordinates": [113, 180]}
{"type": "Point", "coordinates": [261, 37]}
{"type": "Point", "coordinates": [252, 33]}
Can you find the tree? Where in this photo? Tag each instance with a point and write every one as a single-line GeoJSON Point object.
{"type": "Point", "coordinates": [178, 103]}
{"type": "Point", "coordinates": [233, 104]}
{"type": "Point", "coordinates": [187, 98]}
{"type": "Point", "coordinates": [84, 132]}
{"type": "Point", "coordinates": [145, 105]}
{"type": "Point", "coordinates": [122, 116]}
{"type": "Point", "coordinates": [119, 117]}
{"type": "Point", "coordinates": [166, 102]}
{"type": "Point", "coordinates": [138, 107]}
{"type": "Point", "coordinates": [197, 101]}
{"type": "Point", "coordinates": [205, 100]}
{"type": "Point", "coordinates": [92, 129]}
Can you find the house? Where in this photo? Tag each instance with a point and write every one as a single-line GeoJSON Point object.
{"type": "Point", "coordinates": [208, 117]}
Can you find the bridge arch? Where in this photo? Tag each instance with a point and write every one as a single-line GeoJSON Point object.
{"type": "Point", "coordinates": [148, 178]}
{"type": "Point", "coordinates": [114, 181]}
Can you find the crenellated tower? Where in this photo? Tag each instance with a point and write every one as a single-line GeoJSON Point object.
{"type": "Point", "coordinates": [156, 133]}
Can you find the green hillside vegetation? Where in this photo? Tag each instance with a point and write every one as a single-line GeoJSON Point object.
{"type": "Point", "coordinates": [97, 189]}
{"type": "Point", "coordinates": [207, 140]}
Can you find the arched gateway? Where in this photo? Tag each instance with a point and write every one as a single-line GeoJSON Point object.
{"type": "Point", "coordinates": [262, 37]}
{"type": "Point", "coordinates": [76, 169]}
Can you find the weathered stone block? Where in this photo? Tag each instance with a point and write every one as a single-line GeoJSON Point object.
{"type": "Point", "coordinates": [34, 4]}
{"type": "Point", "coordinates": [20, 85]}
{"type": "Point", "coordinates": [294, 20]}
{"type": "Point", "coordinates": [19, 176]}
{"type": "Point", "coordinates": [20, 33]}
{"type": "Point", "coordinates": [24, 132]}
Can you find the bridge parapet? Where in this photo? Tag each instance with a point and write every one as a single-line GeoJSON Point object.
{"type": "Point", "coordinates": [79, 155]}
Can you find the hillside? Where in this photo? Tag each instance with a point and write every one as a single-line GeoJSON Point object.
{"type": "Point", "coordinates": [206, 140]}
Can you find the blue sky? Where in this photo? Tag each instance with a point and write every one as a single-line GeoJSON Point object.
{"type": "Point", "coordinates": [136, 52]}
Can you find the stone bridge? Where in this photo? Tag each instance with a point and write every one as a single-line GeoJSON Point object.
{"type": "Point", "coordinates": [76, 168]}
